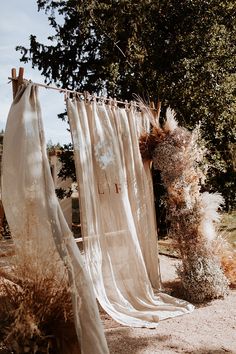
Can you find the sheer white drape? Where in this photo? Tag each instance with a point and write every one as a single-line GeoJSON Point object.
{"type": "Point", "coordinates": [35, 216]}
{"type": "Point", "coordinates": [117, 215]}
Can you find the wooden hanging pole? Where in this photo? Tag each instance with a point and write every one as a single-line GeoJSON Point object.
{"type": "Point", "coordinates": [16, 81]}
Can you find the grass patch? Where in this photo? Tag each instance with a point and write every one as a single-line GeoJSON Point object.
{"type": "Point", "coordinates": [228, 227]}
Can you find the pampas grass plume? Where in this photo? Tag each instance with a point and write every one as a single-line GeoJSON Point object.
{"type": "Point", "coordinates": [210, 204]}
{"type": "Point", "coordinates": [171, 123]}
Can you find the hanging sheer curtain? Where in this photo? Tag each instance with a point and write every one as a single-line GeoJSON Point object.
{"type": "Point", "coordinates": [117, 215]}
{"type": "Point", "coordinates": [35, 216]}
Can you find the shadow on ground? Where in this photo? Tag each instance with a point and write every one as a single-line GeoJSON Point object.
{"type": "Point", "coordinates": [120, 341]}
{"type": "Point", "coordinates": [210, 351]}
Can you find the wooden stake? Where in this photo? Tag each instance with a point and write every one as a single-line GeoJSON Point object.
{"type": "Point", "coordinates": [20, 76]}
{"type": "Point", "coordinates": [152, 105]}
{"type": "Point", "coordinates": [16, 81]}
{"type": "Point", "coordinates": [158, 109]}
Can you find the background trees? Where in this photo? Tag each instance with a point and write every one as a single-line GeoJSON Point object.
{"type": "Point", "coordinates": [181, 53]}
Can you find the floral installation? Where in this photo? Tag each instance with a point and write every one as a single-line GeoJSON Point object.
{"type": "Point", "coordinates": [193, 215]}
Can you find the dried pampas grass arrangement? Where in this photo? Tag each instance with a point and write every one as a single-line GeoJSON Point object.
{"type": "Point", "coordinates": [35, 305]}
{"type": "Point", "coordinates": [193, 215]}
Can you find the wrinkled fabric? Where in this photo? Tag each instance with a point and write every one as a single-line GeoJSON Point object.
{"type": "Point", "coordinates": [34, 214]}
{"type": "Point", "coordinates": [117, 215]}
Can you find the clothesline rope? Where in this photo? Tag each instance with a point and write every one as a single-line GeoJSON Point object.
{"type": "Point", "coordinates": [87, 95]}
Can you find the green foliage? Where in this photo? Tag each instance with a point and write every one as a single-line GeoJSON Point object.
{"type": "Point", "coordinates": [228, 227]}
{"type": "Point", "coordinates": [181, 53]}
{"type": "Point", "coordinates": [66, 158]}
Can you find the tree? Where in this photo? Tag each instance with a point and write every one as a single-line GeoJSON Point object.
{"type": "Point", "coordinates": [181, 53]}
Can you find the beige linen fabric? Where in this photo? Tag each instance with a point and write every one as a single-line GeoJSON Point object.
{"type": "Point", "coordinates": [35, 216]}
{"type": "Point", "coordinates": [117, 217]}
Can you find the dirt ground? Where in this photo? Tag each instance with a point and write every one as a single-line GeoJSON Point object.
{"type": "Point", "coordinates": [209, 329]}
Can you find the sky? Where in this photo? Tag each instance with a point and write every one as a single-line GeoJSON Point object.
{"type": "Point", "coordinates": [19, 19]}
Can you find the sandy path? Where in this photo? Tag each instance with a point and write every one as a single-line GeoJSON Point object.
{"type": "Point", "coordinates": [210, 329]}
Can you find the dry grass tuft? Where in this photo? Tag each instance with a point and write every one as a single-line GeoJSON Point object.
{"type": "Point", "coordinates": [228, 262]}
{"type": "Point", "coordinates": [227, 255]}
{"type": "Point", "coordinates": [148, 142]}
{"type": "Point", "coordinates": [36, 311]}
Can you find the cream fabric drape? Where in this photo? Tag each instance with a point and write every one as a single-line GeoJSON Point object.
{"type": "Point", "coordinates": [117, 215]}
{"type": "Point", "coordinates": [35, 216]}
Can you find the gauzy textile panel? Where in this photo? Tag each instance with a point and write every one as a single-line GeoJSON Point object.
{"type": "Point", "coordinates": [35, 216]}
{"type": "Point", "coordinates": [117, 215]}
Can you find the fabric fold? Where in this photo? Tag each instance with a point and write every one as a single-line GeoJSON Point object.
{"type": "Point", "coordinates": [34, 214]}
{"type": "Point", "coordinates": [117, 215]}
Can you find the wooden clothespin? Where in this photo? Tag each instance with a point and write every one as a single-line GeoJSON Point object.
{"type": "Point", "coordinates": [16, 81]}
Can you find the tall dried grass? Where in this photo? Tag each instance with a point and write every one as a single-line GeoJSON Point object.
{"type": "Point", "coordinates": [193, 215]}
{"type": "Point", "coordinates": [36, 311]}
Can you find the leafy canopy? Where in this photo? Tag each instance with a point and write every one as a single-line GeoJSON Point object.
{"type": "Point", "coordinates": [181, 53]}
